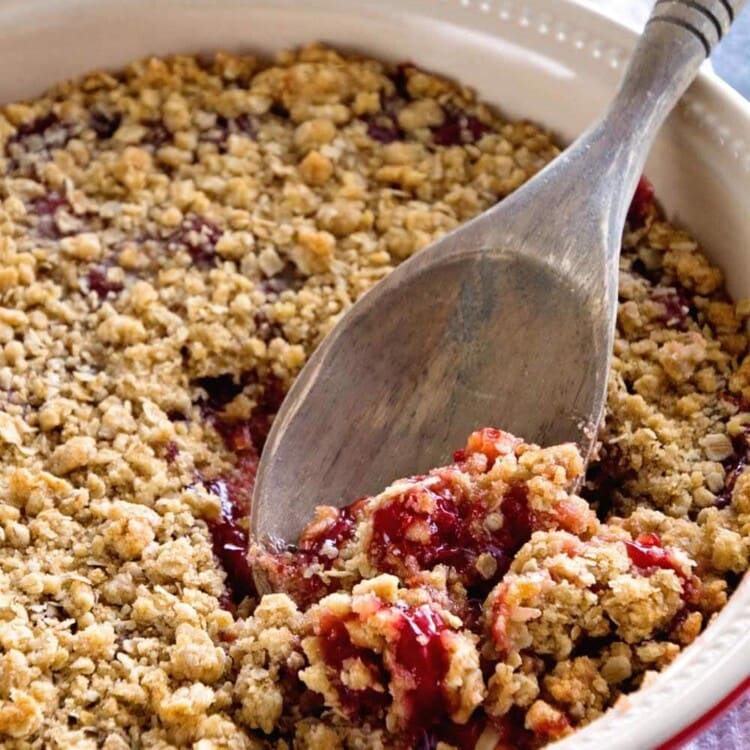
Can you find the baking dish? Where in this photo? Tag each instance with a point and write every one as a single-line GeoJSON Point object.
{"type": "Point", "coordinates": [551, 62]}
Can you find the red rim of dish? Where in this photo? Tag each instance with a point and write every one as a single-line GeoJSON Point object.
{"type": "Point", "coordinates": [702, 723]}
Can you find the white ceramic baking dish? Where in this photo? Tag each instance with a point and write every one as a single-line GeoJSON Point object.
{"type": "Point", "coordinates": [548, 60]}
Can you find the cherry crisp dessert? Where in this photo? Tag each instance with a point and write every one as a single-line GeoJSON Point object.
{"type": "Point", "coordinates": [175, 239]}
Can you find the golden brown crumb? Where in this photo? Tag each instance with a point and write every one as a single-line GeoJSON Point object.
{"type": "Point", "coordinates": [175, 240]}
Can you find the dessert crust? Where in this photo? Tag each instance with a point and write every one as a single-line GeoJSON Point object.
{"type": "Point", "coordinates": [175, 240]}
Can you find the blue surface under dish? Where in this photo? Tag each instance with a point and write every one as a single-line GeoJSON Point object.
{"type": "Point", "coordinates": [732, 57]}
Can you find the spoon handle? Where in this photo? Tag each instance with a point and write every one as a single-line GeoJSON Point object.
{"type": "Point", "coordinates": [678, 37]}
{"type": "Point", "coordinates": [590, 185]}
{"type": "Point", "coordinates": [706, 20]}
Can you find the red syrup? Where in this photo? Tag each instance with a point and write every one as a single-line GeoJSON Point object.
{"type": "Point", "coordinates": [511, 734]}
{"type": "Point", "coordinates": [417, 659]}
{"type": "Point", "coordinates": [643, 198]}
{"type": "Point", "coordinates": [198, 237]}
{"type": "Point", "coordinates": [429, 524]}
{"type": "Point", "coordinates": [735, 465]}
{"type": "Point", "coordinates": [337, 532]}
{"type": "Point", "coordinates": [422, 659]}
{"type": "Point", "coordinates": [290, 569]}
{"type": "Point", "coordinates": [229, 532]}
{"type": "Point", "coordinates": [459, 128]}
{"type": "Point", "coordinates": [338, 649]}
{"type": "Point", "coordinates": [100, 284]}
{"type": "Point", "coordinates": [647, 554]}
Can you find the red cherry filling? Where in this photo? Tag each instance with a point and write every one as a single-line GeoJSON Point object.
{"type": "Point", "coordinates": [735, 465]}
{"type": "Point", "coordinates": [229, 536]}
{"type": "Point", "coordinates": [420, 528]}
{"type": "Point", "coordinates": [319, 538]}
{"type": "Point", "coordinates": [220, 390]}
{"type": "Point", "coordinates": [431, 524]}
{"type": "Point", "coordinates": [229, 533]}
{"type": "Point", "coordinates": [291, 570]}
{"type": "Point", "coordinates": [45, 209]}
{"type": "Point", "coordinates": [383, 128]}
{"type": "Point", "coordinates": [642, 200]}
{"type": "Point", "coordinates": [339, 653]}
{"type": "Point", "coordinates": [198, 237]}
{"type": "Point", "coordinates": [100, 284]}
{"type": "Point", "coordinates": [416, 657]}
{"type": "Point", "coordinates": [245, 439]}
{"type": "Point", "coordinates": [421, 661]}
{"type": "Point", "coordinates": [490, 442]}
{"type": "Point", "coordinates": [459, 128]}
{"type": "Point", "coordinates": [268, 404]}
{"type": "Point", "coordinates": [678, 307]}
{"type": "Point", "coordinates": [647, 554]}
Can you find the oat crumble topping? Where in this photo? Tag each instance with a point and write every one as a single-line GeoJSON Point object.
{"type": "Point", "coordinates": [174, 241]}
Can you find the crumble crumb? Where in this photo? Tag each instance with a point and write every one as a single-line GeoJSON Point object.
{"type": "Point", "coordinates": [175, 239]}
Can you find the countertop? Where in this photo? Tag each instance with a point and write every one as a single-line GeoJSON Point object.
{"type": "Point", "coordinates": [732, 56]}
{"type": "Point", "coordinates": [731, 59]}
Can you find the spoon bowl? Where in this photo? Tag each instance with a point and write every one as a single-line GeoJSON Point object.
{"type": "Point", "coordinates": [430, 354]}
